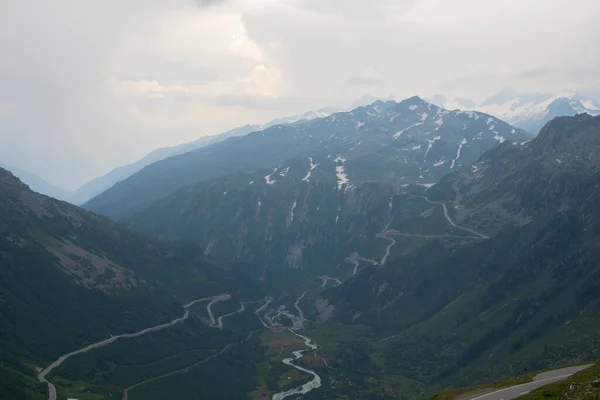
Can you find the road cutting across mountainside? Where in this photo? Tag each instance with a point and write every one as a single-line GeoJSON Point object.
{"type": "Point", "coordinates": [451, 222]}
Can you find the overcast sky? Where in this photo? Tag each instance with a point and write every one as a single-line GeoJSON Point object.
{"type": "Point", "coordinates": [86, 86]}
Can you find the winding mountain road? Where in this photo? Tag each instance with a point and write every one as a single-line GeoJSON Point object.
{"type": "Point", "coordinates": [504, 394]}
{"type": "Point", "coordinates": [216, 299]}
{"type": "Point", "coordinates": [356, 259]}
{"type": "Point", "coordinates": [391, 232]}
{"type": "Point", "coordinates": [258, 311]}
{"type": "Point", "coordinates": [354, 262]}
{"type": "Point", "coordinates": [222, 317]}
{"type": "Point", "coordinates": [52, 389]}
{"type": "Point", "coordinates": [297, 307]}
{"type": "Point", "coordinates": [327, 278]}
{"type": "Point", "coordinates": [394, 232]}
{"type": "Point", "coordinates": [389, 247]}
{"type": "Point", "coordinates": [451, 222]}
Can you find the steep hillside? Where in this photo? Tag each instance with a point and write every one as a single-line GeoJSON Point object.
{"type": "Point", "coordinates": [451, 311]}
{"type": "Point", "coordinates": [305, 216]}
{"type": "Point", "coordinates": [516, 182]}
{"type": "Point", "coordinates": [400, 143]}
{"type": "Point", "coordinates": [69, 278]}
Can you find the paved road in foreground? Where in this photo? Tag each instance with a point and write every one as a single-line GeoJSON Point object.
{"type": "Point", "coordinates": [540, 380]}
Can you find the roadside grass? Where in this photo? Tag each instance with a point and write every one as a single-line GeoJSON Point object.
{"type": "Point", "coordinates": [262, 390]}
{"type": "Point", "coordinates": [75, 390]}
{"type": "Point", "coordinates": [15, 384]}
{"type": "Point", "coordinates": [280, 344]}
{"type": "Point", "coordinates": [451, 394]}
{"type": "Point", "coordinates": [584, 385]}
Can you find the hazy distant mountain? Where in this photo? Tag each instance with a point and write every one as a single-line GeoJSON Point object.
{"type": "Point", "coordinates": [99, 185]}
{"type": "Point", "coordinates": [321, 113]}
{"type": "Point", "coordinates": [367, 99]}
{"type": "Point", "coordinates": [38, 184]}
{"type": "Point", "coordinates": [529, 111]}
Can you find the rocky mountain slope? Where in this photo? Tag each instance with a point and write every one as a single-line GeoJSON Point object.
{"type": "Point", "coordinates": [400, 143]}
{"type": "Point", "coordinates": [295, 220]}
{"type": "Point", "coordinates": [517, 182]}
{"type": "Point", "coordinates": [452, 310]}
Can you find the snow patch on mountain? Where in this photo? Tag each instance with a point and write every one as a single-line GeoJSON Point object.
{"type": "Point", "coordinates": [436, 138]}
{"type": "Point", "coordinates": [341, 176]}
{"type": "Point", "coordinates": [460, 146]}
{"type": "Point", "coordinates": [439, 124]}
{"type": "Point", "coordinates": [312, 166]}
{"type": "Point", "coordinates": [292, 211]}
{"type": "Point", "coordinates": [284, 172]}
{"type": "Point", "coordinates": [268, 178]}
{"type": "Point", "coordinates": [395, 116]}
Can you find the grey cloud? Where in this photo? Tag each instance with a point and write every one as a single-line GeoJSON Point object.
{"type": "Point", "coordinates": [466, 103]}
{"type": "Point", "coordinates": [279, 106]}
{"type": "Point", "coordinates": [364, 81]}
{"type": "Point", "coordinates": [61, 117]}
{"type": "Point", "coordinates": [208, 3]}
{"type": "Point", "coordinates": [534, 73]}
{"type": "Point", "coordinates": [358, 8]}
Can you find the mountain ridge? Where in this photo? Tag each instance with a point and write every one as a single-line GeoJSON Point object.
{"type": "Point", "coordinates": [411, 138]}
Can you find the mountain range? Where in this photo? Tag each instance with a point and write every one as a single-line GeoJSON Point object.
{"type": "Point", "coordinates": [413, 248]}
{"type": "Point", "coordinates": [525, 111]}
{"type": "Point", "coordinates": [408, 142]}
{"type": "Point", "coordinates": [98, 185]}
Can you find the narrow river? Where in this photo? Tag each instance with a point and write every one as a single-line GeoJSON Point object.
{"type": "Point", "coordinates": [315, 383]}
